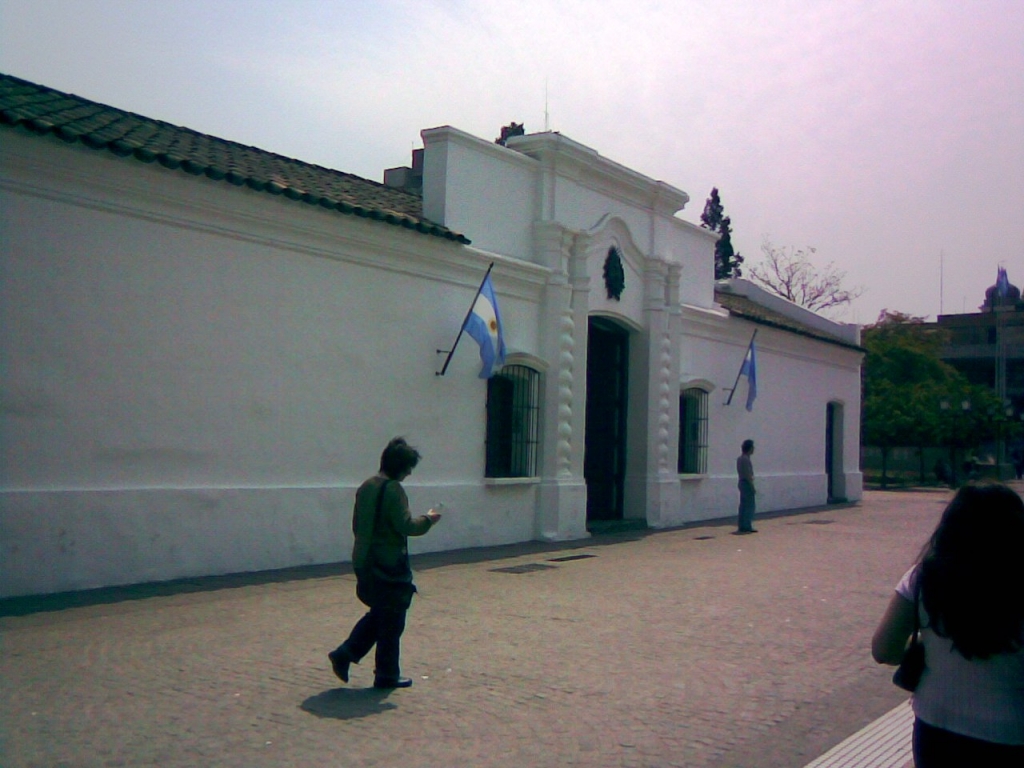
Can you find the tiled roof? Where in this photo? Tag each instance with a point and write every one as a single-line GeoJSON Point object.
{"type": "Point", "coordinates": [45, 111]}
{"type": "Point", "coordinates": [741, 306]}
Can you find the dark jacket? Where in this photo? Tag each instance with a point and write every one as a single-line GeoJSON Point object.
{"type": "Point", "coordinates": [387, 540]}
{"type": "Point", "coordinates": [745, 470]}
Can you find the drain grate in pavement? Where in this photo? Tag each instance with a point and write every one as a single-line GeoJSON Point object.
{"type": "Point", "coordinates": [524, 568]}
{"type": "Point", "coordinates": [567, 558]}
{"type": "Point", "coordinates": [818, 522]}
{"type": "Point", "coordinates": [702, 538]}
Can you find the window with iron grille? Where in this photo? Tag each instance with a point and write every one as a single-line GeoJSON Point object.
{"type": "Point", "coordinates": [693, 432]}
{"type": "Point", "coordinates": [513, 404]}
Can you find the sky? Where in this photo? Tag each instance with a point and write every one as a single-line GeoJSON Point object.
{"type": "Point", "coordinates": [888, 135]}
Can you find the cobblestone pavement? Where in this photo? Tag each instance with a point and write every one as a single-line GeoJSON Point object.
{"type": "Point", "coordinates": [689, 647]}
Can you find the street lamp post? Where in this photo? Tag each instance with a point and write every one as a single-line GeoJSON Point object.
{"type": "Point", "coordinates": [955, 421]}
{"type": "Point", "coordinates": [965, 407]}
{"type": "Point", "coordinates": [1003, 418]}
{"type": "Point", "coordinates": [945, 408]}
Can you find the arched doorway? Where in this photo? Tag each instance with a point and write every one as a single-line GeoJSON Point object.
{"type": "Point", "coordinates": [604, 458]}
{"type": "Point", "coordinates": [834, 452]}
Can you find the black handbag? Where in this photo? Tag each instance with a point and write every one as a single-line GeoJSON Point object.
{"type": "Point", "coordinates": [908, 673]}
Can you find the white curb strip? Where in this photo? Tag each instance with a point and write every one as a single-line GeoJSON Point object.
{"type": "Point", "coordinates": [885, 743]}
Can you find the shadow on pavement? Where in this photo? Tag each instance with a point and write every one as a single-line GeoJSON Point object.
{"type": "Point", "coordinates": [348, 703]}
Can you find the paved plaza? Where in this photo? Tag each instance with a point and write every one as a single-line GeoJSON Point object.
{"type": "Point", "coordinates": [691, 647]}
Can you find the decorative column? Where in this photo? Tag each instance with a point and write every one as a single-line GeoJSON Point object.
{"type": "Point", "coordinates": [662, 314]}
{"type": "Point", "coordinates": [562, 501]}
{"type": "Point", "coordinates": [580, 311]}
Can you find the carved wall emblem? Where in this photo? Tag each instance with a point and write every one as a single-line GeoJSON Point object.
{"type": "Point", "coordinates": [614, 275]}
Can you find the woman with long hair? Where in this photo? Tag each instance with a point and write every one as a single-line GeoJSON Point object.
{"type": "Point", "coordinates": [968, 590]}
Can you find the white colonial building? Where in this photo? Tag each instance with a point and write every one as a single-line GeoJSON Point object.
{"type": "Point", "coordinates": [206, 346]}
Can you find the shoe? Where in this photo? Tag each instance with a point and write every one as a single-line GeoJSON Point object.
{"type": "Point", "coordinates": [339, 663]}
{"type": "Point", "coordinates": [391, 682]}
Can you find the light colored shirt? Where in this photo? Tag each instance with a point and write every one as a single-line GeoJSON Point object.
{"type": "Point", "coordinates": [981, 698]}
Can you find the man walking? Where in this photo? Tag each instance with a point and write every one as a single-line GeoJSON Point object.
{"type": "Point", "coordinates": [381, 524]}
{"type": "Point", "coordinates": [745, 470]}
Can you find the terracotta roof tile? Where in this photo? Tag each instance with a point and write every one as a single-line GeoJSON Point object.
{"type": "Point", "coordinates": [71, 118]}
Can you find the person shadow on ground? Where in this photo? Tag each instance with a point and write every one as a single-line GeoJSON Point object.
{"type": "Point", "coordinates": [348, 703]}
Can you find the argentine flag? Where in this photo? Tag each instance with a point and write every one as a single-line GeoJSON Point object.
{"type": "Point", "coordinates": [484, 325]}
{"type": "Point", "coordinates": [749, 369]}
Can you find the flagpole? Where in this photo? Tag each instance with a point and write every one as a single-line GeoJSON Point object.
{"type": "Point", "coordinates": [737, 382]}
{"type": "Point", "coordinates": [463, 326]}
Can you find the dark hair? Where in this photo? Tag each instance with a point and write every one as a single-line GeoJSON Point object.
{"type": "Point", "coordinates": [971, 572]}
{"type": "Point", "coordinates": [398, 458]}
{"type": "Point", "coordinates": [747, 447]}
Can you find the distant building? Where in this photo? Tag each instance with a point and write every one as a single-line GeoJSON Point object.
{"type": "Point", "coordinates": [206, 346]}
{"type": "Point", "coordinates": [977, 341]}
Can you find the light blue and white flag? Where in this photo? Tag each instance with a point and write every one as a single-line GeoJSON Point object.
{"type": "Point", "coordinates": [484, 324]}
{"type": "Point", "coordinates": [749, 369]}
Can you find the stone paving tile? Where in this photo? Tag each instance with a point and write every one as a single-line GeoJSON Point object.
{"type": "Point", "coordinates": [689, 647]}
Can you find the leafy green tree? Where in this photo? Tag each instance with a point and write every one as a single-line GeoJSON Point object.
{"type": "Point", "coordinates": [913, 399]}
{"type": "Point", "coordinates": [971, 414]}
{"type": "Point", "coordinates": [727, 261]}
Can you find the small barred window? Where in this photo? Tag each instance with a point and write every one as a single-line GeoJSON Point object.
{"type": "Point", "coordinates": [513, 405]}
{"type": "Point", "coordinates": [693, 432]}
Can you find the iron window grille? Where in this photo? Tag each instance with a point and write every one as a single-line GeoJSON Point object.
{"type": "Point", "coordinates": [513, 406]}
{"type": "Point", "coordinates": [693, 432]}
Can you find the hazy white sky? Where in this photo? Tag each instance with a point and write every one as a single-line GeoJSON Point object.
{"type": "Point", "coordinates": [883, 133]}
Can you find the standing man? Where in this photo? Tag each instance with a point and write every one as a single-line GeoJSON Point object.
{"type": "Point", "coordinates": [745, 470]}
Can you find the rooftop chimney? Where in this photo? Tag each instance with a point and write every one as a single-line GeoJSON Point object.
{"type": "Point", "coordinates": [404, 177]}
{"type": "Point", "coordinates": [510, 130]}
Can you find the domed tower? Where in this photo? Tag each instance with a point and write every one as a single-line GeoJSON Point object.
{"type": "Point", "coordinates": [1002, 294]}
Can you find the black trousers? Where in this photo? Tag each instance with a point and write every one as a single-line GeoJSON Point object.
{"type": "Point", "coordinates": [383, 627]}
{"type": "Point", "coordinates": [938, 748]}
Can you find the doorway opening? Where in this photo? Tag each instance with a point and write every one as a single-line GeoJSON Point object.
{"type": "Point", "coordinates": [834, 453]}
{"type": "Point", "coordinates": [604, 458]}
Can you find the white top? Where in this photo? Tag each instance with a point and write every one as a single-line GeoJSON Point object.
{"type": "Point", "coordinates": [981, 698]}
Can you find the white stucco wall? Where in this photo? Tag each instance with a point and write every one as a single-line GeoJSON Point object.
{"type": "Point", "coordinates": [197, 377]}
{"type": "Point", "coordinates": [480, 188]}
{"type": "Point", "coordinates": [797, 378]}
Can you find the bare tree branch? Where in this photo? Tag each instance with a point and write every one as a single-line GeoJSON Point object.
{"type": "Point", "coordinates": [789, 272]}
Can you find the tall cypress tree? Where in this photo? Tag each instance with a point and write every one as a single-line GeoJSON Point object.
{"type": "Point", "coordinates": [712, 215]}
{"type": "Point", "coordinates": [727, 261]}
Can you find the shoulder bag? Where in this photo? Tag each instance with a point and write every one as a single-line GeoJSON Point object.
{"type": "Point", "coordinates": [908, 673]}
{"type": "Point", "coordinates": [385, 586]}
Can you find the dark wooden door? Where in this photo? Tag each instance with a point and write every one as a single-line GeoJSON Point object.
{"type": "Point", "coordinates": [604, 461]}
{"type": "Point", "coordinates": [830, 434]}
